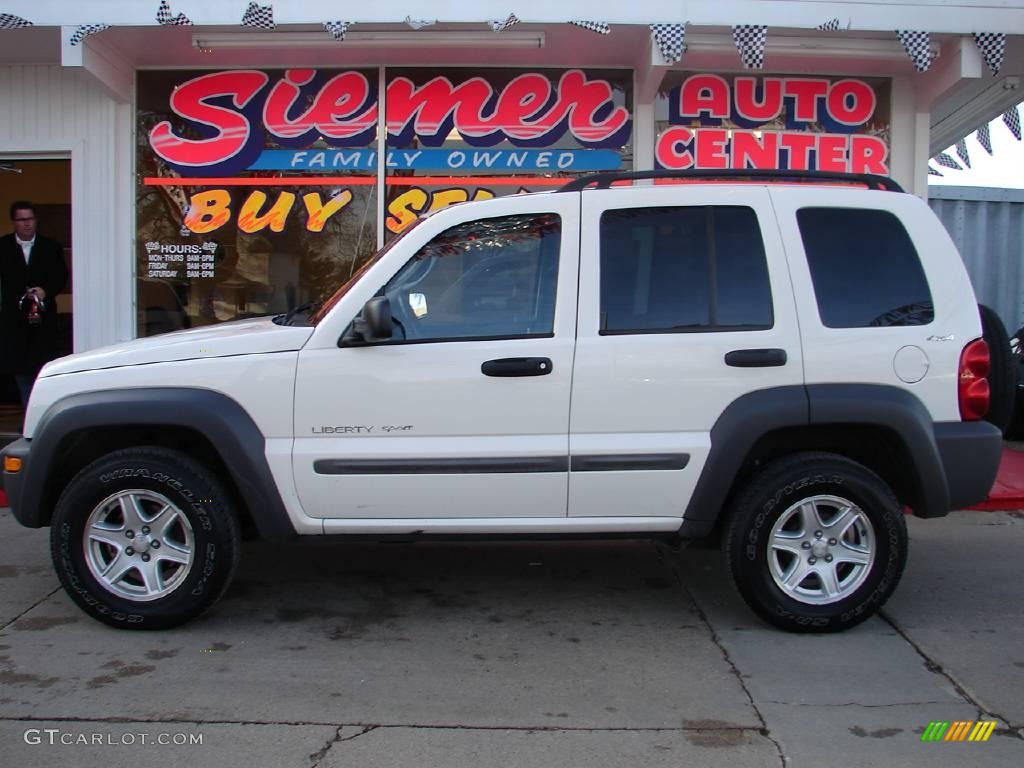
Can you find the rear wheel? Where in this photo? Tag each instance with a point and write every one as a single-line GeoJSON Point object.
{"type": "Point", "coordinates": [815, 543]}
{"type": "Point", "coordinates": [144, 538]}
{"type": "Point", "coordinates": [1016, 429]}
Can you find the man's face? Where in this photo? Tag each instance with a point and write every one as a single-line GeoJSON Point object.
{"type": "Point", "coordinates": [24, 223]}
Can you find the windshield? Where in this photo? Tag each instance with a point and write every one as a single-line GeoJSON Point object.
{"type": "Point", "coordinates": [328, 305]}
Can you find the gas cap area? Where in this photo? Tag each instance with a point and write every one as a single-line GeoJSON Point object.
{"type": "Point", "coordinates": [911, 364]}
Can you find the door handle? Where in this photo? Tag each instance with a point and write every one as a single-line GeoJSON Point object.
{"type": "Point", "coordinates": [756, 358]}
{"type": "Point", "coordinates": [517, 366]}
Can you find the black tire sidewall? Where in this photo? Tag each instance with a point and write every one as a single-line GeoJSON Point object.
{"type": "Point", "coordinates": [200, 499]}
{"type": "Point", "coordinates": [1002, 375]}
{"type": "Point", "coordinates": [764, 504]}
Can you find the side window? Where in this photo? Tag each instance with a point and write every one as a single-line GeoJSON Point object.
{"type": "Point", "coordinates": [680, 269]}
{"type": "Point", "coordinates": [865, 269]}
{"type": "Point", "coordinates": [491, 278]}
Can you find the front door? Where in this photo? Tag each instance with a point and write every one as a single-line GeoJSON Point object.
{"type": "Point", "coordinates": [464, 412]}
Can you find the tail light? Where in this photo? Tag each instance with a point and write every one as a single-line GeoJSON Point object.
{"type": "Point", "coordinates": [972, 388]}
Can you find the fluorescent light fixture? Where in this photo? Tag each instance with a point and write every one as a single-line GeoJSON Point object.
{"type": "Point", "coordinates": [369, 38]}
{"type": "Point", "coordinates": [986, 105]}
{"type": "Point", "coordinates": [821, 47]}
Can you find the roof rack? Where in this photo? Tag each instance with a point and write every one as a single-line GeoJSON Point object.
{"type": "Point", "coordinates": [605, 180]}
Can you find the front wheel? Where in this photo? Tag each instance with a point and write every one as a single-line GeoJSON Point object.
{"type": "Point", "coordinates": [144, 538]}
{"type": "Point", "coordinates": [816, 543]}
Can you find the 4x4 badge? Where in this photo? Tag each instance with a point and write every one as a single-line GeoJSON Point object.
{"type": "Point", "coordinates": [949, 337]}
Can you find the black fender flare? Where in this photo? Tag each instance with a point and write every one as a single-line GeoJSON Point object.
{"type": "Point", "coordinates": [221, 420]}
{"type": "Point", "coordinates": [752, 416]}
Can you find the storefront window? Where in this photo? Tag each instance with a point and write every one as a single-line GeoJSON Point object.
{"type": "Point", "coordinates": [771, 122]}
{"type": "Point", "coordinates": [458, 134]}
{"type": "Point", "coordinates": [256, 191]}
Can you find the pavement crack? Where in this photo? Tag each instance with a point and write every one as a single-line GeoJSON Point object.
{"type": "Point", "coordinates": [343, 735]}
{"type": "Point", "coordinates": [661, 551]}
{"type": "Point", "coordinates": [818, 705]}
{"type": "Point", "coordinates": [339, 736]}
{"type": "Point", "coordinates": [34, 605]}
{"type": "Point", "coordinates": [933, 666]}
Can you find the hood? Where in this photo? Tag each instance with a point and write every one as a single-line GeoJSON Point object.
{"type": "Point", "coordinates": [240, 337]}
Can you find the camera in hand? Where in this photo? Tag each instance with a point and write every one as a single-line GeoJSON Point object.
{"type": "Point", "coordinates": [32, 307]}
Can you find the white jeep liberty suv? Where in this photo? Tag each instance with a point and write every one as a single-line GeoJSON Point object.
{"type": "Point", "coordinates": [787, 366]}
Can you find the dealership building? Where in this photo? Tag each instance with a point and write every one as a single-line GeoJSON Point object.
{"type": "Point", "coordinates": [204, 161]}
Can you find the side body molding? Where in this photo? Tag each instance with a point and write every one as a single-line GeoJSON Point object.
{"type": "Point", "coordinates": [228, 427]}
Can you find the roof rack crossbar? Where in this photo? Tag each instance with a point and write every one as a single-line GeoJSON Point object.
{"type": "Point", "coordinates": [605, 180]}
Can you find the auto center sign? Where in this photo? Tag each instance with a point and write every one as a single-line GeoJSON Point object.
{"type": "Point", "coordinates": [776, 123]}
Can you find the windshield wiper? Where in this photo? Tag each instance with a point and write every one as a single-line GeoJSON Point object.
{"type": "Point", "coordinates": [286, 319]}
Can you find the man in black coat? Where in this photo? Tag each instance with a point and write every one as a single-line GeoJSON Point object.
{"type": "Point", "coordinates": [29, 264]}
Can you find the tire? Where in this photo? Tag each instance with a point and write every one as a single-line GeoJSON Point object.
{"type": "Point", "coordinates": [1016, 429]}
{"type": "Point", "coordinates": [781, 504]}
{"type": "Point", "coordinates": [1002, 375]}
{"type": "Point", "coordinates": [130, 577]}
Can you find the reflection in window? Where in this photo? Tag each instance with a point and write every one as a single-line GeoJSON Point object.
{"type": "Point", "coordinates": [491, 278]}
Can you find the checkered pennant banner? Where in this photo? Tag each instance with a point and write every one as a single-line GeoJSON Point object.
{"type": "Point", "coordinates": [83, 31]}
{"type": "Point", "coordinates": [594, 26]}
{"type": "Point", "coordinates": [7, 21]}
{"type": "Point", "coordinates": [501, 26]}
{"type": "Point", "coordinates": [993, 47]}
{"type": "Point", "coordinates": [418, 23]}
{"type": "Point", "coordinates": [961, 152]}
{"type": "Point", "coordinates": [933, 172]}
{"type": "Point", "coordinates": [832, 25]}
{"type": "Point", "coordinates": [337, 29]}
{"type": "Point", "coordinates": [671, 40]}
{"type": "Point", "coordinates": [918, 46]}
{"type": "Point", "coordinates": [984, 138]}
{"type": "Point", "coordinates": [946, 160]}
{"type": "Point", "coordinates": [164, 16]}
{"type": "Point", "coordinates": [259, 16]}
{"type": "Point", "coordinates": [1012, 119]}
{"type": "Point", "coordinates": [750, 40]}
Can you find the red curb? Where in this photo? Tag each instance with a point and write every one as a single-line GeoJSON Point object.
{"type": "Point", "coordinates": [1008, 490]}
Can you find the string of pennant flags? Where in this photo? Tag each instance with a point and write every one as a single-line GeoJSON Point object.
{"type": "Point", "coordinates": [669, 37]}
{"type": "Point", "coordinates": [1011, 118]}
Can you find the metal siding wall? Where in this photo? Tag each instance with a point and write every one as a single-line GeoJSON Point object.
{"type": "Point", "coordinates": [989, 232]}
{"type": "Point", "coordinates": [62, 110]}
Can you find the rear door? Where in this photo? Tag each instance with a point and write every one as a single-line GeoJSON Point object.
{"type": "Point", "coordinates": [869, 312]}
{"type": "Point", "coordinates": [685, 305]}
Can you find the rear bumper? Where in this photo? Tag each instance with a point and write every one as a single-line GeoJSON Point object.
{"type": "Point", "coordinates": [970, 453]}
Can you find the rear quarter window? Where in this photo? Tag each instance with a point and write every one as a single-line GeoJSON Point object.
{"type": "Point", "coordinates": [865, 269]}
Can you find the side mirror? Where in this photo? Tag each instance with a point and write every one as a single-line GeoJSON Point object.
{"type": "Point", "coordinates": [371, 325]}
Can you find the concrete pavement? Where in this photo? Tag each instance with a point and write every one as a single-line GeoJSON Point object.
{"type": "Point", "coordinates": [512, 654]}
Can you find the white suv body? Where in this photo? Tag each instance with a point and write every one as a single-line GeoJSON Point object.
{"type": "Point", "coordinates": [550, 366]}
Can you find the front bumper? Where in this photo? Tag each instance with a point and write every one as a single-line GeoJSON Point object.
{"type": "Point", "coordinates": [13, 483]}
